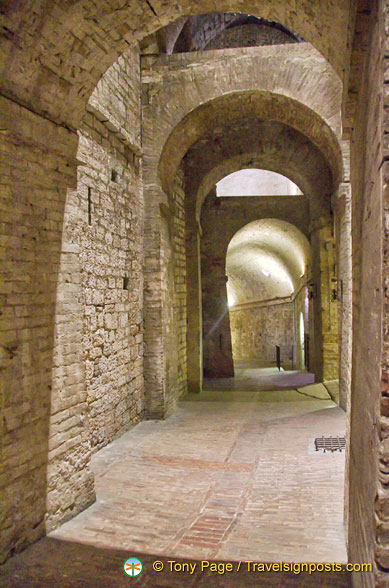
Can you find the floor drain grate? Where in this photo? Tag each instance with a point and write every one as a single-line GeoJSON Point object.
{"type": "Point", "coordinates": [330, 444]}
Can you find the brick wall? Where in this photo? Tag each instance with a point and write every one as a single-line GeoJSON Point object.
{"type": "Point", "coordinates": [367, 223]}
{"type": "Point", "coordinates": [342, 210]}
{"type": "Point", "coordinates": [299, 307]}
{"type": "Point", "coordinates": [199, 30]}
{"type": "Point", "coordinates": [382, 498]}
{"type": "Point", "coordinates": [116, 97]}
{"type": "Point", "coordinates": [38, 167]}
{"type": "Point", "coordinates": [221, 218]}
{"type": "Point", "coordinates": [182, 103]}
{"type": "Point", "coordinates": [97, 389]}
{"type": "Point", "coordinates": [55, 53]}
{"type": "Point", "coordinates": [111, 265]}
{"type": "Point", "coordinates": [74, 344]}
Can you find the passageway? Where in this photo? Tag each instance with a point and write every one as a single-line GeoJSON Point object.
{"type": "Point", "coordinates": [148, 295]}
{"type": "Point", "coordinates": [231, 475]}
{"type": "Point", "coordinates": [268, 266]}
{"type": "Point", "coordinates": [251, 376]}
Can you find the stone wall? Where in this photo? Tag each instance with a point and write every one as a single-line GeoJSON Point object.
{"type": "Point", "coordinates": [39, 165]}
{"type": "Point", "coordinates": [78, 385]}
{"type": "Point", "coordinates": [342, 203]}
{"type": "Point", "coordinates": [62, 51]}
{"type": "Point", "coordinates": [269, 86]}
{"type": "Point", "coordinates": [368, 454]}
{"type": "Point", "coordinates": [198, 31]}
{"type": "Point", "coordinates": [342, 210]}
{"type": "Point", "coordinates": [217, 347]}
{"type": "Point", "coordinates": [99, 326]}
{"type": "Point", "coordinates": [324, 323]}
{"type": "Point", "coordinates": [116, 98]}
{"type": "Point", "coordinates": [111, 260]}
{"type": "Point", "coordinates": [382, 497]}
{"type": "Point", "coordinates": [174, 120]}
{"type": "Point", "coordinates": [223, 30]}
{"type": "Point", "coordinates": [257, 330]}
{"type": "Point", "coordinates": [221, 219]}
{"type": "Point", "coordinates": [164, 282]}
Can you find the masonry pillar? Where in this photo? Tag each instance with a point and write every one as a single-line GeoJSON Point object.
{"type": "Point", "coordinates": [325, 360]}
{"type": "Point", "coordinates": [164, 272]}
{"type": "Point", "coordinates": [194, 310]}
{"type": "Point", "coordinates": [217, 347]}
{"type": "Point", "coordinates": [341, 202]}
{"type": "Point", "coordinates": [368, 495]}
{"type": "Point", "coordinates": [162, 316]}
{"type": "Point", "coordinates": [153, 313]}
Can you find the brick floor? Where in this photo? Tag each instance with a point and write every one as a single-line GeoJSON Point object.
{"type": "Point", "coordinates": [222, 479]}
{"type": "Point", "coordinates": [52, 563]}
{"type": "Point", "coordinates": [230, 476]}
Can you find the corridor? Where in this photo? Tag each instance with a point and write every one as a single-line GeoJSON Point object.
{"type": "Point", "coordinates": [228, 476]}
{"type": "Point", "coordinates": [232, 475]}
{"type": "Point", "coordinates": [187, 188]}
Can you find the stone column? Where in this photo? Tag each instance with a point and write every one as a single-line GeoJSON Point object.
{"type": "Point", "coordinates": [342, 207]}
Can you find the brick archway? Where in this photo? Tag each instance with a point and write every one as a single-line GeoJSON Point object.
{"type": "Point", "coordinates": [266, 89]}
{"type": "Point", "coordinates": [258, 144]}
{"type": "Point", "coordinates": [56, 54]}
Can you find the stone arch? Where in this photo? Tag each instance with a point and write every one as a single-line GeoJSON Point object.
{"type": "Point", "coordinates": [253, 105]}
{"type": "Point", "coordinates": [277, 238]}
{"type": "Point", "coordinates": [267, 266]}
{"type": "Point", "coordinates": [221, 219]}
{"type": "Point", "coordinates": [264, 144]}
{"type": "Point", "coordinates": [254, 143]}
{"type": "Point", "coordinates": [268, 87]}
{"type": "Point", "coordinates": [66, 49]}
{"type": "Point", "coordinates": [218, 30]}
